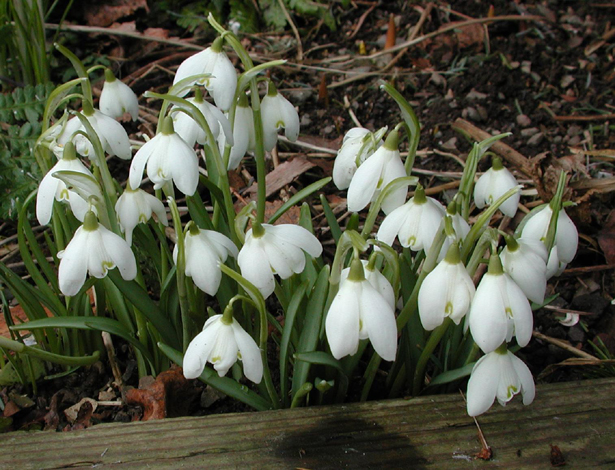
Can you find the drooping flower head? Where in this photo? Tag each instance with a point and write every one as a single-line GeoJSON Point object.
{"type": "Point", "coordinates": [525, 261]}
{"type": "Point", "coordinates": [205, 251]}
{"type": "Point", "coordinates": [275, 249]}
{"type": "Point", "coordinates": [52, 188]}
{"type": "Point", "coordinates": [375, 174]}
{"type": "Point", "coordinates": [447, 291]}
{"type": "Point", "coordinates": [243, 133]}
{"type": "Point", "coordinates": [499, 310]}
{"type": "Point", "coordinates": [493, 184]}
{"type": "Point", "coordinates": [566, 237]}
{"type": "Point", "coordinates": [136, 206]}
{"type": "Point", "coordinates": [360, 311]}
{"type": "Point", "coordinates": [221, 343]}
{"type": "Point", "coordinates": [168, 158]}
{"type": "Point", "coordinates": [357, 146]}
{"type": "Point", "coordinates": [190, 130]}
{"type": "Point", "coordinates": [222, 80]}
{"type": "Point", "coordinates": [112, 135]}
{"type": "Point", "coordinates": [277, 113]}
{"type": "Point", "coordinates": [499, 374]}
{"type": "Point", "coordinates": [94, 250]}
{"type": "Point", "coordinates": [415, 223]}
{"type": "Point", "coordinates": [117, 98]}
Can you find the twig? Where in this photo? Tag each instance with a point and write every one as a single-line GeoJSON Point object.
{"type": "Point", "coordinates": [485, 453]}
{"type": "Point", "coordinates": [564, 345]}
{"type": "Point", "coordinates": [353, 116]}
{"type": "Point", "coordinates": [295, 31]}
{"type": "Point", "coordinates": [506, 152]}
{"type": "Point", "coordinates": [108, 342]}
{"type": "Point", "coordinates": [593, 117]}
{"type": "Point", "coordinates": [362, 20]}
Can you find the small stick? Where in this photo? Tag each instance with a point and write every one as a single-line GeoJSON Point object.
{"type": "Point", "coordinates": [295, 31]}
{"type": "Point", "coordinates": [108, 342]}
{"type": "Point", "coordinates": [564, 345]}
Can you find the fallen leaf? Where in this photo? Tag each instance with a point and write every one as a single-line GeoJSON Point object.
{"type": "Point", "coordinates": [73, 412]}
{"type": "Point", "coordinates": [606, 238]}
{"type": "Point", "coordinates": [557, 459]}
{"type": "Point", "coordinates": [284, 174]}
{"type": "Point", "coordinates": [104, 14]}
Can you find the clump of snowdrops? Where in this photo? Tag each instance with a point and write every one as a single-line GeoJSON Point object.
{"type": "Point", "coordinates": [232, 295]}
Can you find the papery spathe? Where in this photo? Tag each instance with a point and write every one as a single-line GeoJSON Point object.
{"type": "Point", "coordinates": [276, 249]}
{"type": "Point", "coordinates": [94, 250]}
{"type": "Point", "coordinates": [499, 375]}
{"type": "Point", "coordinates": [221, 343]}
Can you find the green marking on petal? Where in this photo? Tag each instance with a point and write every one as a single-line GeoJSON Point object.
{"type": "Point", "coordinates": [508, 312]}
{"type": "Point", "coordinates": [511, 391]}
{"type": "Point", "coordinates": [216, 359]}
{"type": "Point", "coordinates": [448, 310]}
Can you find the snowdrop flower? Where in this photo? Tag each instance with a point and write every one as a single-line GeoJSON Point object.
{"type": "Point", "coordinates": [94, 250]}
{"type": "Point", "coordinates": [359, 311]}
{"type": "Point", "coordinates": [221, 343]}
{"type": "Point", "coordinates": [445, 292]}
{"type": "Point", "coordinates": [205, 251]}
{"type": "Point", "coordinates": [222, 81]}
{"type": "Point", "coordinates": [243, 133]}
{"type": "Point", "coordinates": [117, 98]}
{"type": "Point", "coordinates": [135, 207]}
{"type": "Point", "coordinates": [415, 224]}
{"type": "Point", "coordinates": [374, 174]}
{"type": "Point", "coordinates": [525, 261]}
{"type": "Point", "coordinates": [275, 249]}
{"type": "Point", "coordinates": [168, 158]}
{"type": "Point", "coordinates": [112, 135]}
{"type": "Point", "coordinates": [499, 374]}
{"type": "Point", "coordinates": [499, 310]}
{"type": "Point", "coordinates": [377, 280]}
{"type": "Point", "coordinates": [566, 237]}
{"type": "Point", "coordinates": [52, 188]}
{"type": "Point", "coordinates": [189, 130]}
{"type": "Point", "coordinates": [278, 112]}
{"type": "Point", "coordinates": [493, 184]}
{"type": "Point", "coordinates": [357, 146]}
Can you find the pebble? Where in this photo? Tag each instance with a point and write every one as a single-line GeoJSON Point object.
{"type": "Point", "coordinates": [530, 132]}
{"type": "Point", "coordinates": [523, 120]}
{"type": "Point", "coordinates": [535, 140]}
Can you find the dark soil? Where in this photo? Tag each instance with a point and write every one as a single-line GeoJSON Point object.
{"type": "Point", "coordinates": [514, 79]}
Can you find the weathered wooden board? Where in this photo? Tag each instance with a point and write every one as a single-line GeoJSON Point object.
{"type": "Point", "coordinates": [426, 432]}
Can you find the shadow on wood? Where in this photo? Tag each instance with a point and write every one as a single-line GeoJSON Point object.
{"type": "Point", "coordinates": [425, 432]}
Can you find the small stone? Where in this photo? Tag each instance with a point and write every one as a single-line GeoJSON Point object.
{"type": "Point", "coordinates": [476, 95]}
{"type": "Point", "coordinates": [530, 132]}
{"type": "Point", "coordinates": [523, 120]}
{"type": "Point", "coordinates": [535, 140]}
{"type": "Point", "coordinates": [450, 144]}
{"type": "Point", "coordinates": [471, 113]}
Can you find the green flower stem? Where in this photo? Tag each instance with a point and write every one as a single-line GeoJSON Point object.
{"type": "Point", "coordinates": [18, 347]}
{"type": "Point", "coordinates": [305, 389]}
{"type": "Point", "coordinates": [188, 323]}
{"type": "Point", "coordinates": [432, 342]}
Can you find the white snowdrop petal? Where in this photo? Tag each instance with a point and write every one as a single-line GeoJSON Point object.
{"type": "Point", "coordinates": [342, 322]}
{"type": "Point", "coordinates": [482, 387]}
{"type": "Point", "coordinates": [379, 320]}
{"type": "Point", "coordinates": [250, 354]}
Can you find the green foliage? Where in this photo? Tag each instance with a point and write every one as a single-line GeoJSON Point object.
{"type": "Point", "coordinates": [20, 113]}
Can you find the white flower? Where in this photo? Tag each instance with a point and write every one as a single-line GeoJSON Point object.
{"type": "Point", "coordinates": [221, 343]}
{"type": "Point", "coordinates": [445, 292]}
{"type": "Point", "coordinates": [112, 135]}
{"type": "Point", "coordinates": [117, 98]}
{"type": "Point", "coordinates": [374, 174]}
{"type": "Point", "coordinates": [415, 223]}
{"type": "Point", "coordinates": [243, 133]}
{"type": "Point", "coordinates": [377, 280]}
{"type": "Point", "coordinates": [205, 250]}
{"type": "Point", "coordinates": [189, 130]}
{"type": "Point", "coordinates": [499, 310]}
{"type": "Point", "coordinates": [93, 249]}
{"type": "Point", "coordinates": [168, 158]}
{"type": "Point", "coordinates": [278, 249]}
{"type": "Point", "coordinates": [278, 112]}
{"type": "Point", "coordinates": [566, 237]}
{"type": "Point", "coordinates": [358, 145]}
{"type": "Point", "coordinates": [359, 311]}
{"type": "Point", "coordinates": [52, 188]}
{"type": "Point", "coordinates": [525, 261]}
{"type": "Point", "coordinates": [460, 228]}
{"type": "Point", "coordinates": [493, 184]}
{"type": "Point", "coordinates": [135, 207]}
{"type": "Point", "coordinates": [222, 82]}
{"type": "Point", "coordinates": [498, 375]}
